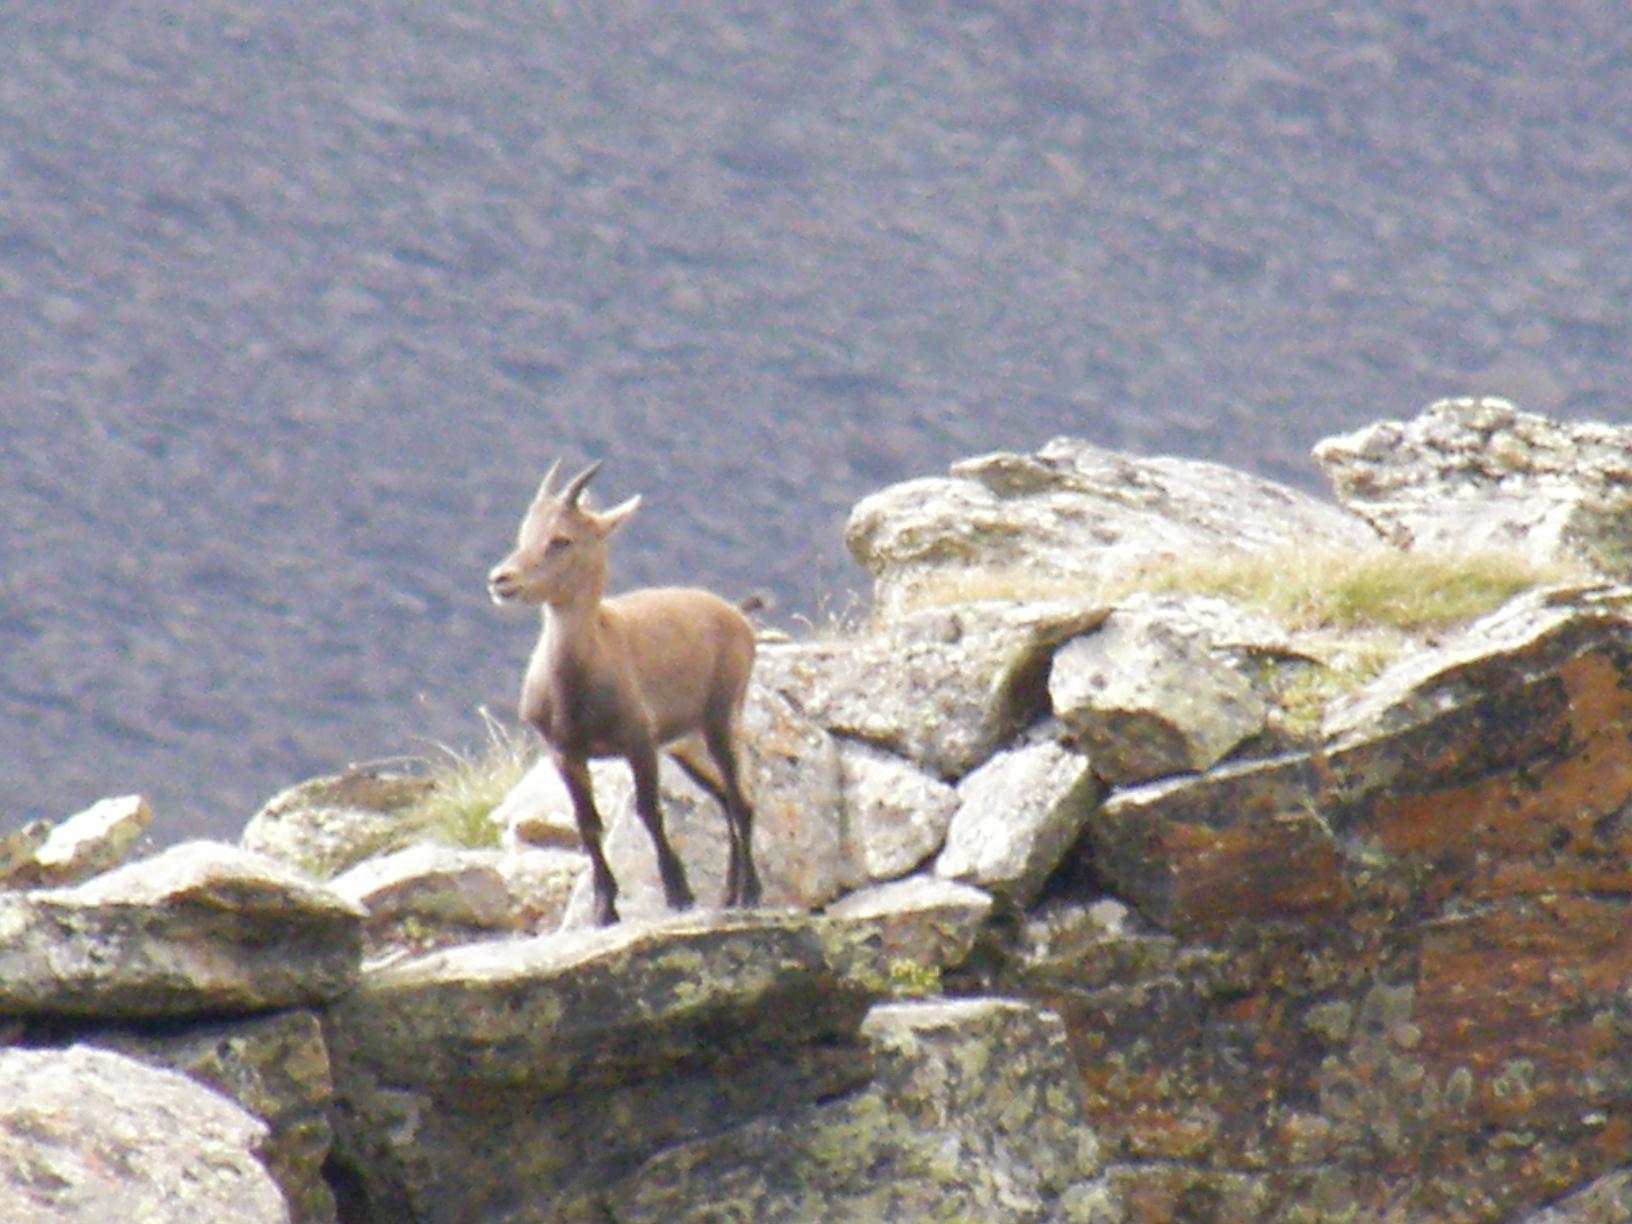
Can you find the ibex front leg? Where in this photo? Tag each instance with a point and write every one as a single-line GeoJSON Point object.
{"type": "Point", "coordinates": [575, 773]}
{"type": "Point", "coordinates": [643, 764]}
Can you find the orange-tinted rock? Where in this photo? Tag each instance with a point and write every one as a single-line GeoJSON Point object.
{"type": "Point", "coordinates": [1399, 985]}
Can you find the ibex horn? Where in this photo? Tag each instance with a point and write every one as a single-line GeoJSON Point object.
{"type": "Point", "coordinates": [575, 487]}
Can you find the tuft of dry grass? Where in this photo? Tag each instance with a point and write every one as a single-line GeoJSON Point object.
{"type": "Point", "coordinates": [1302, 588]}
{"type": "Point", "coordinates": [467, 786]}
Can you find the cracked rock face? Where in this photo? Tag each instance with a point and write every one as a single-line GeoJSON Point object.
{"type": "Point", "coordinates": [1395, 950]}
{"type": "Point", "coordinates": [972, 1110]}
{"type": "Point", "coordinates": [561, 1064]}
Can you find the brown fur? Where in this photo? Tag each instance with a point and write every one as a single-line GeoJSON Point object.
{"type": "Point", "coordinates": [664, 668]}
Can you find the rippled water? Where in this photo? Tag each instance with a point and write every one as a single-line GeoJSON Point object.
{"type": "Point", "coordinates": [297, 301]}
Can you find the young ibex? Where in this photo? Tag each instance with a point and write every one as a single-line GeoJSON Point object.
{"type": "Point", "coordinates": [654, 669]}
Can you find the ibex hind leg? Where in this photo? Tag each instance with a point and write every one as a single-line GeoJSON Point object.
{"type": "Point", "coordinates": [741, 881]}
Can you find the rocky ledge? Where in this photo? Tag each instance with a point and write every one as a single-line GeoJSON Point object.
{"type": "Point", "coordinates": [1091, 896]}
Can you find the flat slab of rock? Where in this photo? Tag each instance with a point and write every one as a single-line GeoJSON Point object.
{"type": "Point", "coordinates": [428, 896]}
{"type": "Point", "coordinates": [90, 1135]}
{"type": "Point", "coordinates": [567, 1011]}
{"type": "Point", "coordinates": [1476, 474]}
{"type": "Point", "coordinates": [971, 1115]}
{"type": "Point", "coordinates": [201, 928]}
{"type": "Point", "coordinates": [1017, 816]}
{"type": "Point", "coordinates": [502, 1080]}
{"type": "Point", "coordinates": [1072, 512]}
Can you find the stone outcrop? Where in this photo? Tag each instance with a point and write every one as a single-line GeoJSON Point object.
{"type": "Point", "coordinates": [1068, 515]}
{"type": "Point", "coordinates": [1107, 931]}
{"type": "Point", "coordinates": [427, 896]}
{"type": "Point", "coordinates": [1017, 816]}
{"type": "Point", "coordinates": [89, 1135]}
{"type": "Point", "coordinates": [1430, 904]}
{"type": "Point", "coordinates": [897, 814]}
{"type": "Point", "coordinates": [75, 848]}
{"type": "Point", "coordinates": [616, 1074]}
{"type": "Point", "coordinates": [1476, 473]}
{"type": "Point", "coordinates": [92, 841]}
{"type": "Point", "coordinates": [944, 688]}
{"type": "Point", "coordinates": [200, 928]}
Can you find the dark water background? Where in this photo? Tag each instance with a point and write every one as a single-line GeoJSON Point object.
{"type": "Point", "coordinates": [297, 300]}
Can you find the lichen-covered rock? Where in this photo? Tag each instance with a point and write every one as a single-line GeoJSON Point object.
{"type": "Point", "coordinates": [972, 1114]}
{"type": "Point", "coordinates": [924, 924]}
{"type": "Point", "coordinates": [1398, 958]}
{"type": "Point", "coordinates": [1478, 474]}
{"type": "Point", "coordinates": [325, 825]}
{"type": "Point", "coordinates": [88, 1135]}
{"type": "Point", "coordinates": [276, 1068]}
{"type": "Point", "coordinates": [1017, 816]}
{"type": "Point", "coordinates": [565, 1011]}
{"type": "Point", "coordinates": [1154, 691]}
{"type": "Point", "coordinates": [944, 687]}
{"type": "Point", "coordinates": [1528, 636]}
{"type": "Point", "coordinates": [91, 841]}
{"type": "Point", "coordinates": [480, 1078]}
{"type": "Point", "coordinates": [17, 849]}
{"type": "Point", "coordinates": [1606, 1201]}
{"type": "Point", "coordinates": [429, 896]}
{"type": "Point", "coordinates": [1496, 763]}
{"type": "Point", "coordinates": [897, 814]}
{"type": "Point", "coordinates": [1072, 513]}
{"type": "Point", "coordinates": [200, 929]}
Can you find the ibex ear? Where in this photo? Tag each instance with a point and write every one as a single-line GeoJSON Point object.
{"type": "Point", "coordinates": [609, 521]}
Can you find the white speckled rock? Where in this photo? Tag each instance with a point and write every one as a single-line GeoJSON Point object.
{"type": "Point", "coordinates": [92, 841]}
{"type": "Point", "coordinates": [898, 815]}
{"type": "Point", "coordinates": [1017, 816]}
{"type": "Point", "coordinates": [1476, 473]}
{"type": "Point", "coordinates": [88, 1136]}
{"type": "Point", "coordinates": [1154, 692]}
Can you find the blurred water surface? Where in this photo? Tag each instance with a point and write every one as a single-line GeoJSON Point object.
{"type": "Point", "coordinates": [298, 300]}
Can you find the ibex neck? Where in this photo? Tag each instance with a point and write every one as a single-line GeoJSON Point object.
{"type": "Point", "coordinates": [575, 621]}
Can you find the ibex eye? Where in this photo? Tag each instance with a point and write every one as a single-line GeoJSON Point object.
{"type": "Point", "coordinates": [557, 543]}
